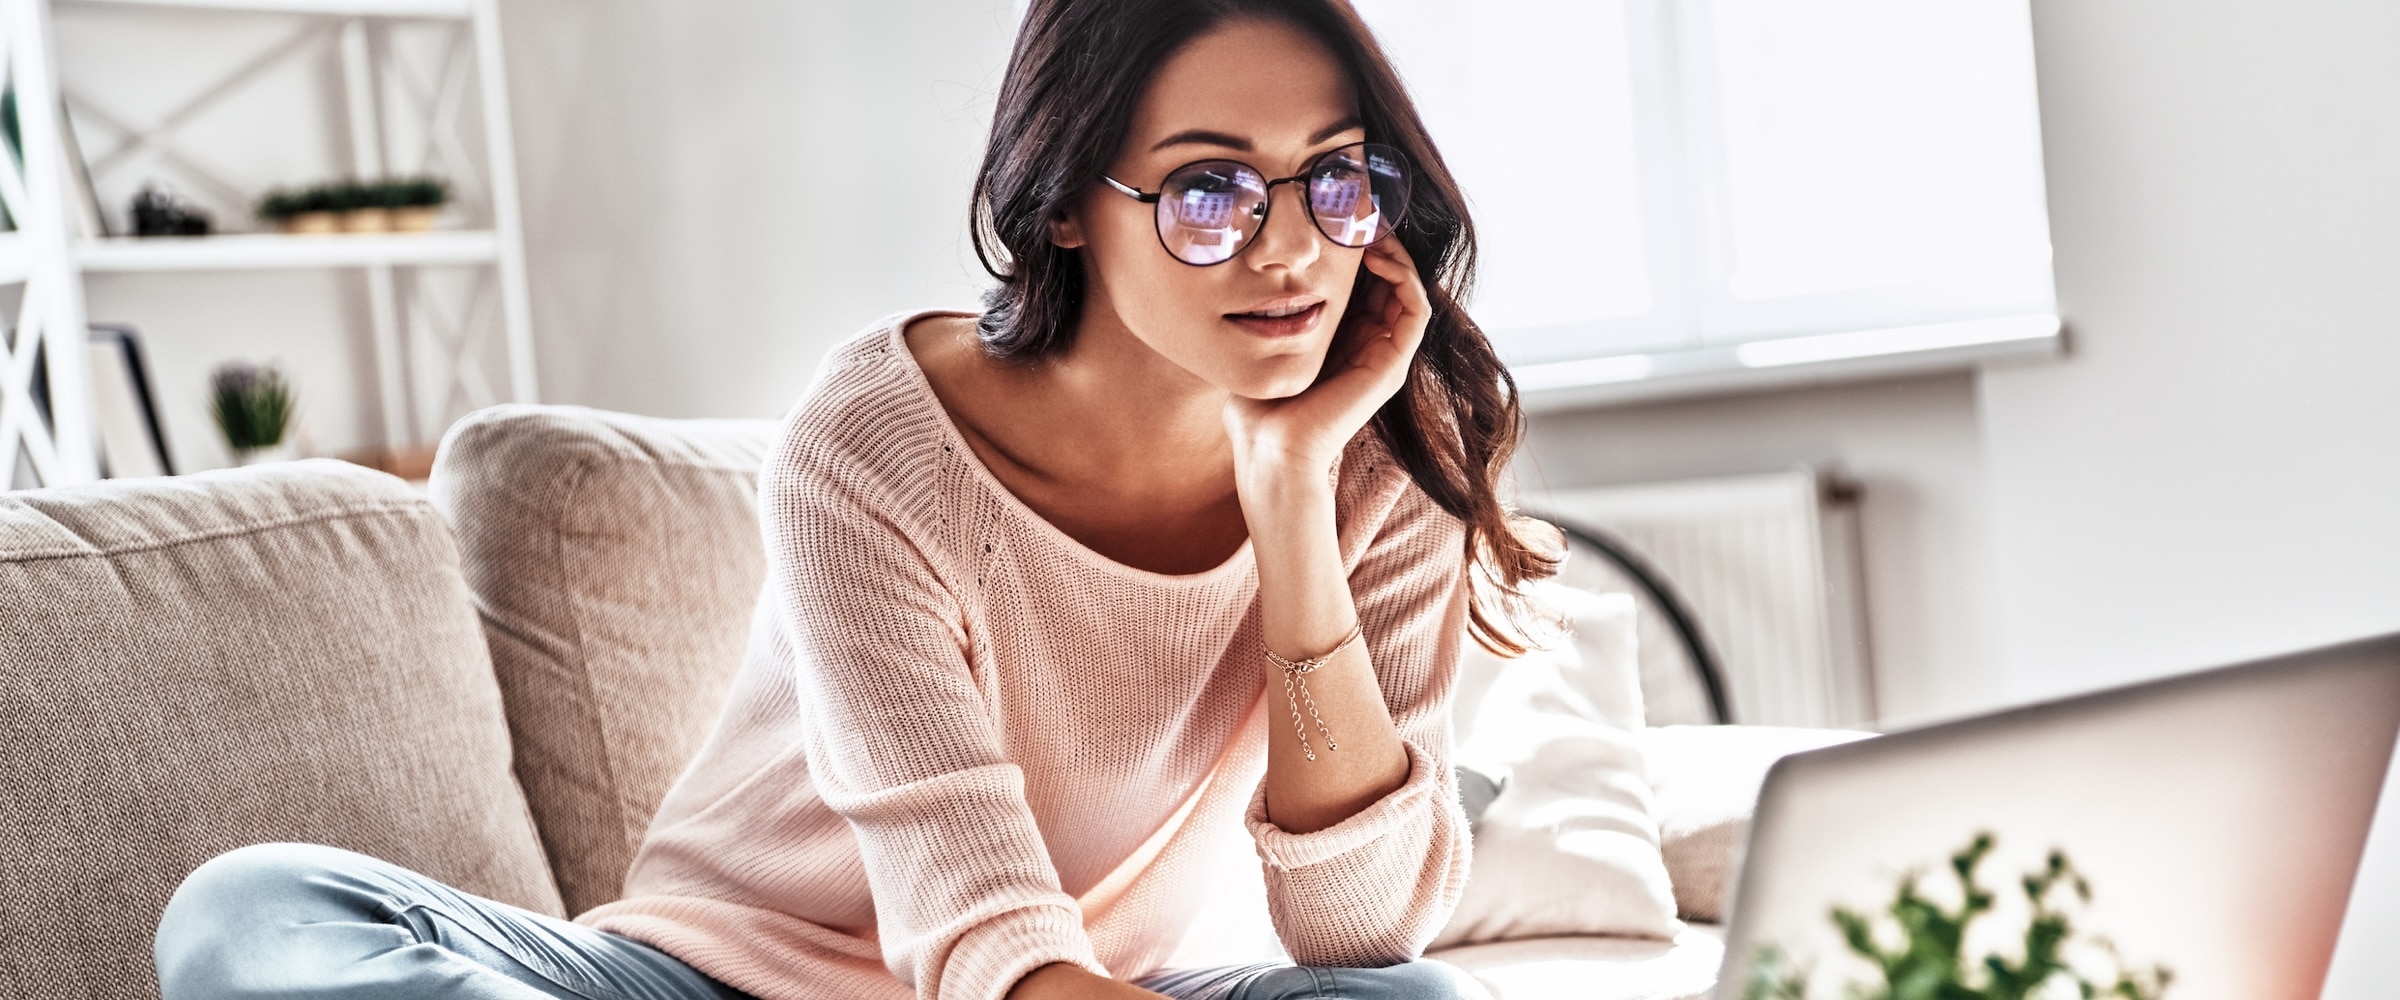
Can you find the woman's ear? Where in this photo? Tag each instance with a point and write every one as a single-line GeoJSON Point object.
{"type": "Point", "coordinates": [1066, 230]}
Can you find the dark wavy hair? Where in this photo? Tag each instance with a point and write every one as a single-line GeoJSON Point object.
{"type": "Point", "coordinates": [1068, 99]}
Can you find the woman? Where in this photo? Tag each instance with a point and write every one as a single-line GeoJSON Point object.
{"type": "Point", "coordinates": [1170, 542]}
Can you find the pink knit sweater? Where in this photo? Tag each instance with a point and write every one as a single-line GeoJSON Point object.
{"type": "Point", "coordinates": [965, 745]}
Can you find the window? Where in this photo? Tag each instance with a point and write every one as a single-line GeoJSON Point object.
{"type": "Point", "coordinates": [1689, 192]}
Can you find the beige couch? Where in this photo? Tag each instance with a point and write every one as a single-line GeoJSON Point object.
{"type": "Point", "coordinates": [494, 687]}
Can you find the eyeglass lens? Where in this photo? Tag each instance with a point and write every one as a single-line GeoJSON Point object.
{"type": "Point", "coordinates": [1207, 211]}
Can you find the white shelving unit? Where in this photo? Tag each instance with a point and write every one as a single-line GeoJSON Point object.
{"type": "Point", "coordinates": [44, 256]}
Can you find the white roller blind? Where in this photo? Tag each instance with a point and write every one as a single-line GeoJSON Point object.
{"type": "Point", "coordinates": [1657, 182]}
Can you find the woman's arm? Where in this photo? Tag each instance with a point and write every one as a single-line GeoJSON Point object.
{"type": "Point", "coordinates": [1284, 455]}
{"type": "Point", "coordinates": [1375, 887]}
{"type": "Point", "coordinates": [1306, 607]}
{"type": "Point", "coordinates": [899, 741]}
{"type": "Point", "coordinates": [1365, 848]}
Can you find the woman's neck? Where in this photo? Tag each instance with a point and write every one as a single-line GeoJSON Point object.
{"type": "Point", "coordinates": [1128, 459]}
{"type": "Point", "coordinates": [1128, 407]}
{"type": "Point", "coordinates": [1108, 416]}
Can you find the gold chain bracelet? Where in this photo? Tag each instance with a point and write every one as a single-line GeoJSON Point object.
{"type": "Point", "coordinates": [1292, 669]}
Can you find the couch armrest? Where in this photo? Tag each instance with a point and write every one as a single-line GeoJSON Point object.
{"type": "Point", "coordinates": [1706, 781]}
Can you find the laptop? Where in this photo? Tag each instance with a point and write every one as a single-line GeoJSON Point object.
{"type": "Point", "coordinates": [2213, 821]}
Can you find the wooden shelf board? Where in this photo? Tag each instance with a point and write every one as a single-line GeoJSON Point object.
{"type": "Point", "coordinates": [330, 8]}
{"type": "Point", "coordinates": [268, 251]}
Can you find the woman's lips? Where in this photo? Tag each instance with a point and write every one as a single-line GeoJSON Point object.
{"type": "Point", "coordinates": [1280, 326]}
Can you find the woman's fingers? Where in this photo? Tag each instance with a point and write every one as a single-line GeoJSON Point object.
{"type": "Point", "coordinates": [1406, 310]}
{"type": "Point", "coordinates": [1392, 260]}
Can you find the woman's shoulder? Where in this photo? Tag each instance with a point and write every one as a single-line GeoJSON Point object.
{"type": "Point", "coordinates": [868, 416]}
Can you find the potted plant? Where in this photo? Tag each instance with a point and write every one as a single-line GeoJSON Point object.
{"type": "Point", "coordinates": [414, 202]}
{"type": "Point", "coordinates": [299, 210]}
{"type": "Point", "coordinates": [400, 204]}
{"type": "Point", "coordinates": [252, 406]}
{"type": "Point", "coordinates": [360, 206]}
{"type": "Point", "coordinates": [1920, 947]}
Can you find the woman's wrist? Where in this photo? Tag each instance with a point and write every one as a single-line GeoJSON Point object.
{"type": "Point", "coordinates": [1282, 477]}
{"type": "Point", "coordinates": [1302, 588]}
{"type": "Point", "coordinates": [1287, 505]}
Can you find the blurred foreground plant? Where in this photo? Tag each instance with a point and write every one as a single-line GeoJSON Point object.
{"type": "Point", "coordinates": [1931, 962]}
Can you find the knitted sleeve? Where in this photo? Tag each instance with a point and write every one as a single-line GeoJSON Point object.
{"type": "Point", "coordinates": [1373, 889]}
{"type": "Point", "coordinates": [901, 745]}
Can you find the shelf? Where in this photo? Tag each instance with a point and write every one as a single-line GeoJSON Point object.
{"type": "Point", "coordinates": [268, 251]}
{"type": "Point", "coordinates": [1782, 363]}
{"type": "Point", "coordinates": [329, 8]}
{"type": "Point", "coordinates": [421, 352]}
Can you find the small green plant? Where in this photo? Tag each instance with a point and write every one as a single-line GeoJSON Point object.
{"type": "Point", "coordinates": [1931, 961]}
{"type": "Point", "coordinates": [344, 196]}
{"type": "Point", "coordinates": [279, 204]}
{"type": "Point", "coordinates": [251, 404]}
{"type": "Point", "coordinates": [423, 191]}
{"type": "Point", "coordinates": [413, 192]}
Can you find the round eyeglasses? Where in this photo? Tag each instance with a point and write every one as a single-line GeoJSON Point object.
{"type": "Point", "coordinates": [1208, 210]}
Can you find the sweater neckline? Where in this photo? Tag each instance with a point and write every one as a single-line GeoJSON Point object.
{"type": "Point", "coordinates": [895, 336]}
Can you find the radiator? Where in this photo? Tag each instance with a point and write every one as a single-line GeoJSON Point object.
{"type": "Point", "coordinates": [1769, 565]}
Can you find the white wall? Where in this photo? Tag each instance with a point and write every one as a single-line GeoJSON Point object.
{"type": "Point", "coordinates": [2216, 473]}
{"type": "Point", "coordinates": [716, 193]}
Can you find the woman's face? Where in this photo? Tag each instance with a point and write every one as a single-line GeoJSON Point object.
{"type": "Point", "coordinates": [1266, 94]}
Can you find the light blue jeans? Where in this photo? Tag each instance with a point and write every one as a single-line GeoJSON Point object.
{"type": "Point", "coordinates": [315, 922]}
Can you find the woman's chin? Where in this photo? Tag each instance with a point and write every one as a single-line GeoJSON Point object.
{"type": "Point", "coordinates": [1273, 382]}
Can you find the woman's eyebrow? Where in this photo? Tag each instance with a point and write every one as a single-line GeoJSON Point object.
{"type": "Point", "coordinates": [1205, 137]}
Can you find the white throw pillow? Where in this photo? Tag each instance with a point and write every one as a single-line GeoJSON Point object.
{"type": "Point", "coordinates": [1569, 846]}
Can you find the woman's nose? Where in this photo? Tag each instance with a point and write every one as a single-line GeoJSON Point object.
{"type": "Point", "coordinates": [1289, 238]}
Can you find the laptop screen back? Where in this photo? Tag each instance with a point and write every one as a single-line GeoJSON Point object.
{"type": "Point", "coordinates": [2216, 818]}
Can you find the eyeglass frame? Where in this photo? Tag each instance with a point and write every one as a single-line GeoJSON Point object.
{"type": "Point", "coordinates": [1267, 201]}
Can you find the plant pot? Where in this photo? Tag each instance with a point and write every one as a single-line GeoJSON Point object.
{"type": "Point", "coordinates": [280, 451]}
{"type": "Point", "coordinates": [367, 220]}
{"type": "Point", "coordinates": [312, 222]}
{"type": "Point", "coordinates": [414, 218]}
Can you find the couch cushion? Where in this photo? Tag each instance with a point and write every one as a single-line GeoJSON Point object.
{"type": "Point", "coordinates": [1568, 846]}
{"type": "Point", "coordinates": [192, 664]}
{"type": "Point", "coordinates": [1706, 779]}
{"type": "Point", "coordinates": [615, 560]}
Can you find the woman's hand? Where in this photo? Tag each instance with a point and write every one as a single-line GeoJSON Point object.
{"type": "Point", "coordinates": [1069, 981]}
{"type": "Point", "coordinates": [1309, 430]}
